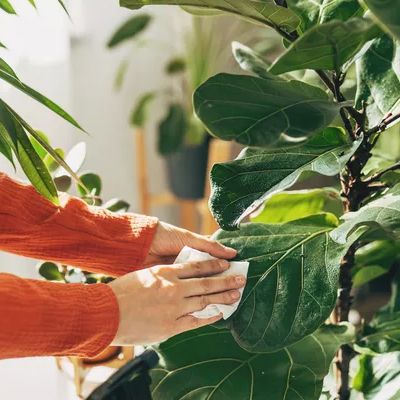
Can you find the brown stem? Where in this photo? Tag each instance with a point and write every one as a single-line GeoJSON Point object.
{"type": "Point", "coordinates": [384, 124]}
{"type": "Point", "coordinates": [379, 175]}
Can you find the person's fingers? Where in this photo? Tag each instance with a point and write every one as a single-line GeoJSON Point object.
{"type": "Point", "coordinates": [201, 286]}
{"type": "Point", "coordinates": [188, 322]}
{"type": "Point", "coordinates": [201, 268]}
{"type": "Point", "coordinates": [209, 246]}
{"type": "Point", "coordinates": [198, 303]}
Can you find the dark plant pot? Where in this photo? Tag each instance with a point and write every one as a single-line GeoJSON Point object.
{"type": "Point", "coordinates": [186, 170]}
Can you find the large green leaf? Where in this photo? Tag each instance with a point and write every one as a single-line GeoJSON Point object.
{"type": "Point", "coordinates": [239, 187]}
{"type": "Point", "coordinates": [256, 112]}
{"type": "Point", "coordinates": [6, 145]}
{"type": "Point", "coordinates": [129, 29]}
{"type": "Point", "coordinates": [292, 281]}
{"type": "Point", "coordinates": [378, 378]}
{"type": "Point", "coordinates": [288, 206]}
{"type": "Point", "coordinates": [31, 163]}
{"type": "Point", "coordinates": [265, 12]}
{"type": "Point", "coordinates": [172, 130]}
{"type": "Point", "coordinates": [381, 214]}
{"type": "Point", "coordinates": [327, 46]}
{"type": "Point", "coordinates": [377, 82]}
{"type": "Point", "coordinates": [314, 12]}
{"type": "Point", "coordinates": [8, 75]}
{"type": "Point", "coordinates": [387, 13]}
{"type": "Point", "coordinates": [207, 364]}
{"type": "Point", "coordinates": [7, 7]}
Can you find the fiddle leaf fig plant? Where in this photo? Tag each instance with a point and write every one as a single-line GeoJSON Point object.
{"type": "Point", "coordinates": [292, 325]}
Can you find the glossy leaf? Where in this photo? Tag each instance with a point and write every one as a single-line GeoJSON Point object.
{"type": "Point", "coordinates": [256, 112]}
{"type": "Point", "coordinates": [265, 12]}
{"type": "Point", "coordinates": [387, 14]}
{"type": "Point", "coordinates": [8, 75]}
{"type": "Point", "coordinates": [7, 7]}
{"type": "Point", "coordinates": [239, 187]}
{"type": "Point", "coordinates": [92, 182]}
{"type": "Point", "coordinates": [378, 84]}
{"type": "Point", "coordinates": [139, 113]}
{"type": "Point", "coordinates": [129, 29]}
{"type": "Point", "coordinates": [5, 144]}
{"type": "Point", "coordinates": [208, 364]}
{"type": "Point", "coordinates": [172, 130]}
{"type": "Point", "coordinates": [327, 46]}
{"type": "Point", "coordinates": [378, 377]}
{"type": "Point", "coordinates": [50, 271]}
{"type": "Point", "coordinates": [313, 12]}
{"type": "Point", "coordinates": [292, 282]}
{"type": "Point", "coordinates": [288, 206]}
{"type": "Point", "coordinates": [381, 214]}
{"type": "Point", "coordinates": [31, 163]}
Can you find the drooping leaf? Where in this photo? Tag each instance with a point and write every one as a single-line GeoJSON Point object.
{"type": "Point", "coordinates": [381, 214]}
{"type": "Point", "coordinates": [288, 206]}
{"type": "Point", "coordinates": [250, 61]}
{"type": "Point", "coordinates": [2, 45]}
{"type": "Point", "coordinates": [129, 29]}
{"type": "Point", "coordinates": [92, 184]}
{"type": "Point", "coordinates": [378, 84]}
{"type": "Point", "coordinates": [327, 46]}
{"type": "Point", "coordinates": [387, 14]}
{"type": "Point", "coordinates": [7, 7]}
{"type": "Point", "coordinates": [256, 112]}
{"type": "Point", "coordinates": [263, 12]}
{"type": "Point", "coordinates": [239, 187]}
{"type": "Point", "coordinates": [32, 165]}
{"type": "Point", "coordinates": [61, 2]}
{"type": "Point", "coordinates": [50, 162]}
{"type": "Point", "coordinates": [172, 130]}
{"type": "Point", "coordinates": [6, 145]}
{"type": "Point", "coordinates": [8, 75]}
{"type": "Point", "coordinates": [313, 12]}
{"type": "Point", "coordinates": [292, 282]}
{"type": "Point", "coordinates": [208, 364]}
{"type": "Point", "coordinates": [139, 113]}
{"type": "Point", "coordinates": [32, 2]}
{"type": "Point", "coordinates": [117, 205]}
{"type": "Point", "coordinates": [378, 377]}
{"type": "Point", "coordinates": [40, 150]}
{"type": "Point", "coordinates": [50, 272]}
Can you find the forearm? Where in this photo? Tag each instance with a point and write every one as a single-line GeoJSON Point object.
{"type": "Point", "coordinates": [74, 233]}
{"type": "Point", "coordinates": [45, 318]}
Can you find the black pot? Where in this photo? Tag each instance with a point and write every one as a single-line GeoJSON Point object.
{"type": "Point", "coordinates": [186, 170]}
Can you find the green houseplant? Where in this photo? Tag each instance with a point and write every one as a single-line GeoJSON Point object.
{"type": "Point", "coordinates": [279, 345]}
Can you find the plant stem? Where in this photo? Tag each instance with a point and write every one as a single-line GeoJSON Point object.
{"type": "Point", "coordinates": [379, 175]}
{"type": "Point", "coordinates": [384, 124]}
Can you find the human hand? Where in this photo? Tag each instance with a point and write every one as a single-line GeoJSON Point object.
{"type": "Point", "coordinates": [169, 240]}
{"type": "Point", "coordinates": [154, 303]}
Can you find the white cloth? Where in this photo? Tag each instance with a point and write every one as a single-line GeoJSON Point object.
{"type": "Point", "coordinates": [188, 254]}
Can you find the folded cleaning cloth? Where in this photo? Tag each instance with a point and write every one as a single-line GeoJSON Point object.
{"type": "Point", "coordinates": [188, 254]}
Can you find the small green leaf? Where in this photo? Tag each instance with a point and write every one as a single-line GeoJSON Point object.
{"type": "Point", "coordinates": [327, 46]}
{"type": "Point", "coordinates": [92, 182]}
{"type": "Point", "coordinates": [239, 187]}
{"type": "Point", "coordinates": [3, 46]}
{"type": "Point", "coordinates": [265, 12]}
{"type": "Point", "coordinates": [387, 14]}
{"type": "Point", "coordinates": [117, 205]}
{"type": "Point", "coordinates": [378, 85]}
{"type": "Point", "coordinates": [7, 7]}
{"type": "Point", "coordinates": [208, 364]}
{"type": "Point", "coordinates": [363, 275]}
{"type": "Point", "coordinates": [288, 206]}
{"type": "Point", "coordinates": [293, 267]}
{"type": "Point", "coordinates": [176, 66]}
{"type": "Point", "coordinates": [61, 2]}
{"type": "Point", "coordinates": [120, 76]}
{"type": "Point", "coordinates": [50, 272]}
{"type": "Point", "coordinates": [172, 130]}
{"type": "Point", "coordinates": [32, 2]}
{"type": "Point", "coordinates": [8, 75]}
{"type": "Point", "coordinates": [129, 29]}
{"type": "Point", "coordinates": [139, 113]}
{"type": "Point", "coordinates": [256, 112]}
{"type": "Point", "coordinates": [313, 12]}
{"type": "Point", "coordinates": [31, 163]}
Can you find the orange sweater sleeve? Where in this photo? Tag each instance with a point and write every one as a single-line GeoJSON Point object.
{"type": "Point", "coordinates": [45, 318]}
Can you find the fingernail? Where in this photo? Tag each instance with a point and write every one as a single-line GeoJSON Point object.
{"type": "Point", "coordinates": [235, 295]}
{"type": "Point", "coordinates": [224, 264]}
{"type": "Point", "coordinates": [230, 250]}
{"type": "Point", "coordinates": [241, 280]}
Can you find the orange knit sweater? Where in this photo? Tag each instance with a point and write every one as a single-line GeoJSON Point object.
{"type": "Point", "coordinates": [44, 318]}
